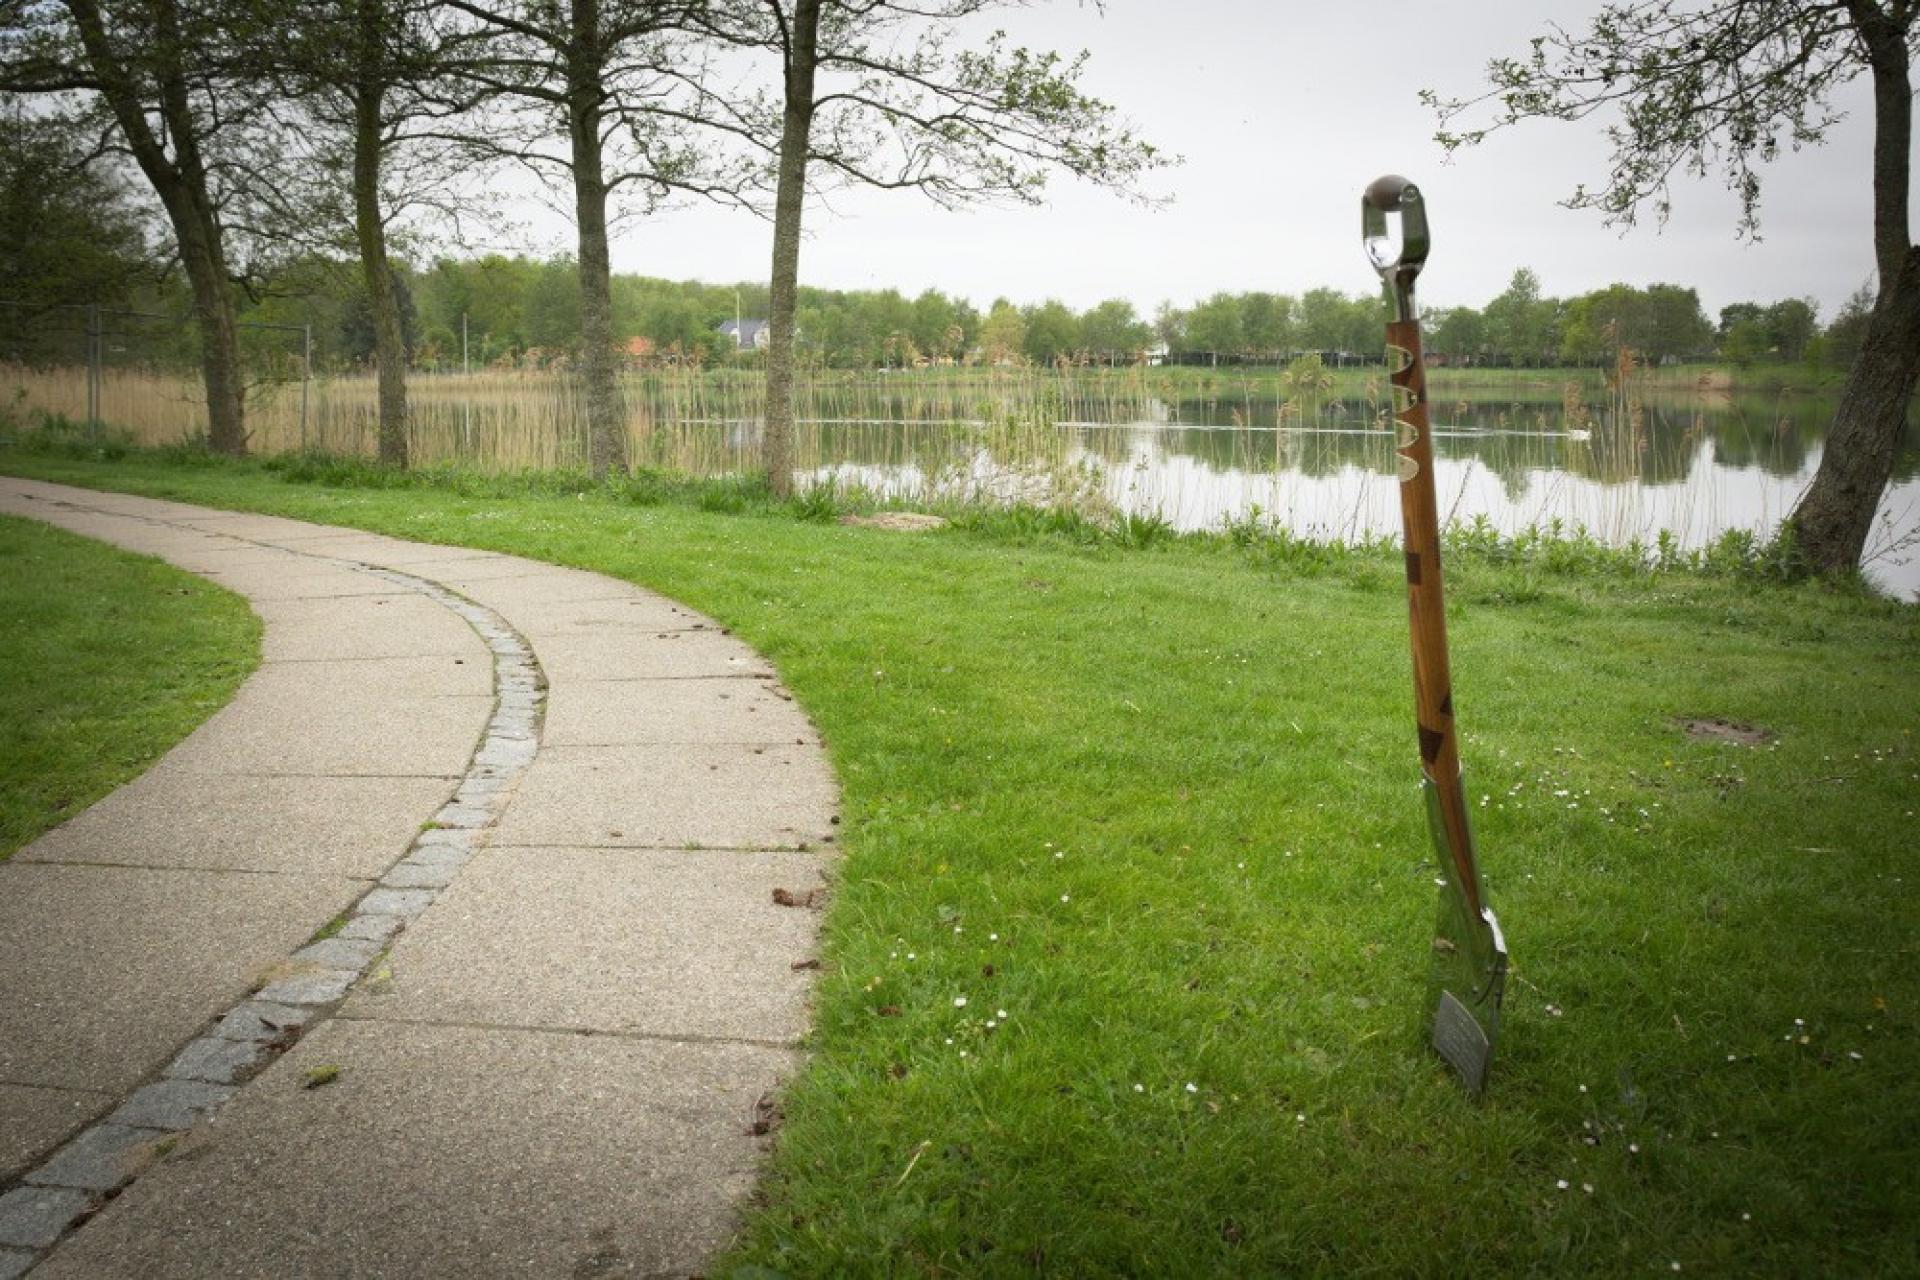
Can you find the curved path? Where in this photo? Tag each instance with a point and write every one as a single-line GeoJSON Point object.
{"type": "Point", "coordinates": [449, 947]}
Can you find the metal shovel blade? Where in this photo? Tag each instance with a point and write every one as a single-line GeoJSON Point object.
{"type": "Point", "coordinates": [1469, 976]}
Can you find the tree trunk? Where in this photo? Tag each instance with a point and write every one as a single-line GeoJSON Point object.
{"type": "Point", "coordinates": [389, 339]}
{"type": "Point", "coordinates": [1835, 516]}
{"type": "Point", "coordinates": [220, 370]}
{"type": "Point", "coordinates": [1830, 525]}
{"type": "Point", "coordinates": [180, 181]}
{"type": "Point", "coordinates": [789, 204]}
{"type": "Point", "coordinates": [606, 424]}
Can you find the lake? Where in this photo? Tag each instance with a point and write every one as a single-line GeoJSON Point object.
{"type": "Point", "coordinates": [1692, 466]}
{"type": "Point", "coordinates": [1665, 453]}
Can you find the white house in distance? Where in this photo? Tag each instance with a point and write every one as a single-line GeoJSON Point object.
{"type": "Point", "coordinates": [748, 335]}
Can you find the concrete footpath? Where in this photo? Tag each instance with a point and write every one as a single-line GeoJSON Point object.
{"type": "Point", "coordinates": [449, 947]}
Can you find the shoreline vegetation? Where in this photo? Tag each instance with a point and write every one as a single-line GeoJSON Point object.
{"type": "Point", "coordinates": [707, 421]}
{"type": "Point", "coordinates": [1146, 803]}
{"type": "Point", "coordinates": [160, 405]}
{"type": "Point", "coordinates": [1555, 547]}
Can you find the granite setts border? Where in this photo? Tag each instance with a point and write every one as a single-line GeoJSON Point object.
{"type": "Point", "coordinates": [72, 1184]}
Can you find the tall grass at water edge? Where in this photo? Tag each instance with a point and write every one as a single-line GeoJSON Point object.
{"type": "Point", "coordinates": [1613, 452]}
{"type": "Point", "coordinates": [1548, 549]}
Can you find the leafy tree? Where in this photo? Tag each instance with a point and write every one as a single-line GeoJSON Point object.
{"type": "Point", "coordinates": [1362, 318]}
{"type": "Point", "coordinates": [368, 76]}
{"type": "Point", "coordinates": [1791, 324]}
{"type": "Point", "coordinates": [1322, 322]}
{"type": "Point", "coordinates": [361, 323]}
{"type": "Point", "coordinates": [1052, 332]}
{"type": "Point", "coordinates": [1658, 321]}
{"type": "Point", "coordinates": [1736, 313]}
{"type": "Point", "coordinates": [593, 97]}
{"type": "Point", "coordinates": [899, 350]}
{"type": "Point", "coordinates": [1521, 324]}
{"type": "Point", "coordinates": [1460, 332]}
{"type": "Point", "coordinates": [1170, 326]}
{"type": "Point", "coordinates": [489, 292]}
{"type": "Point", "coordinates": [1590, 328]}
{"type": "Point", "coordinates": [676, 323]}
{"type": "Point", "coordinates": [879, 93]}
{"type": "Point", "coordinates": [1003, 334]}
{"type": "Point", "coordinates": [552, 309]}
{"type": "Point", "coordinates": [1746, 341]}
{"type": "Point", "coordinates": [69, 232]}
{"type": "Point", "coordinates": [885, 316]}
{"type": "Point", "coordinates": [934, 323]}
{"type": "Point", "coordinates": [1699, 86]}
{"type": "Point", "coordinates": [1215, 326]}
{"type": "Point", "coordinates": [1676, 325]}
{"type": "Point", "coordinates": [1307, 375]}
{"type": "Point", "coordinates": [170, 85]}
{"type": "Point", "coordinates": [1848, 332]}
{"type": "Point", "coordinates": [1267, 320]}
{"type": "Point", "coordinates": [1112, 332]}
{"type": "Point", "coordinates": [966, 329]}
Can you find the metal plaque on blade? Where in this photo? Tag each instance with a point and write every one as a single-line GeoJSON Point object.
{"type": "Point", "coordinates": [1459, 1038]}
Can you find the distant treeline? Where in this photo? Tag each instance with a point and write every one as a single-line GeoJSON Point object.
{"type": "Point", "coordinates": [525, 312]}
{"type": "Point", "coordinates": [81, 237]}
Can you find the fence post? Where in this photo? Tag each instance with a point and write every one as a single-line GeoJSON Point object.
{"type": "Point", "coordinates": [466, 393]}
{"type": "Point", "coordinates": [306, 377]}
{"type": "Point", "coordinates": [93, 372]}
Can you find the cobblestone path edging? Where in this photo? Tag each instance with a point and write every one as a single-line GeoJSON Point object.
{"type": "Point", "coordinates": [73, 1183]}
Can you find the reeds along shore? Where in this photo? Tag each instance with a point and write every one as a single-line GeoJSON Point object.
{"type": "Point", "coordinates": [1625, 456]}
{"type": "Point", "coordinates": [699, 420]}
{"type": "Point", "coordinates": [1619, 450]}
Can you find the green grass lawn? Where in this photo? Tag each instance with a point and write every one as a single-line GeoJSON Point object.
{"type": "Point", "coordinates": [108, 660]}
{"type": "Point", "coordinates": [1153, 815]}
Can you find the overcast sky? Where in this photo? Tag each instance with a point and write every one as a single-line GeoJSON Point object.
{"type": "Point", "coordinates": [1283, 112]}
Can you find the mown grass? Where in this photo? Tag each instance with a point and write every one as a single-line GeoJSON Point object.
{"type": "Point", "coordinates": [108, 660]}
{"type": "Point", "coordinates": [1156, 802]}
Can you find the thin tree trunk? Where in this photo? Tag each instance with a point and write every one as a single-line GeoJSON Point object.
{"type": "Point", "coordinates": [789, 204]}
{"type": "Point", "coordinates": [389, 338]}
{"type": "Point", "coordinates": [606, 424]}
{"type": "Point", "coordinates": [1831, 524]}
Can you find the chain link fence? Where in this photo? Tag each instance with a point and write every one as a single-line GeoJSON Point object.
{"type": "Point", "coordinates": [136, 374]}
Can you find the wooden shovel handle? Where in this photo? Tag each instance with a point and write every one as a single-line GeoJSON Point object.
{"type": "Point", "coordinates": [1426, 604]}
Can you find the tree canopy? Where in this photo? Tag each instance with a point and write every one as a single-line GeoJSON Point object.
{"type": "Point", "coordinates": [1723, 87]}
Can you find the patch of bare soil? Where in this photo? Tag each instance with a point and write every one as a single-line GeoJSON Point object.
{"type": "Point", "coordinates": [1714, 729]}
{"type": "Point", "coordinates": [899, 521]}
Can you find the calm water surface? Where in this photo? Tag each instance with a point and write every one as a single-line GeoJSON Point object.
{"type": "Point", "coordinates": [1692, 466]}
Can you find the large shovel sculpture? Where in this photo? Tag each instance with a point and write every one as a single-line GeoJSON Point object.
{"type": "Point", "coordinates": [1469, 955]}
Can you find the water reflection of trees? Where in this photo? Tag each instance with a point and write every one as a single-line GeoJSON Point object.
{"type": "Point", "coordinates": [1658, 442]}
{"type": "Point", "coordinates": [1511, 442]}
{"type": "Point", "coordinates": [1514, 438]}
